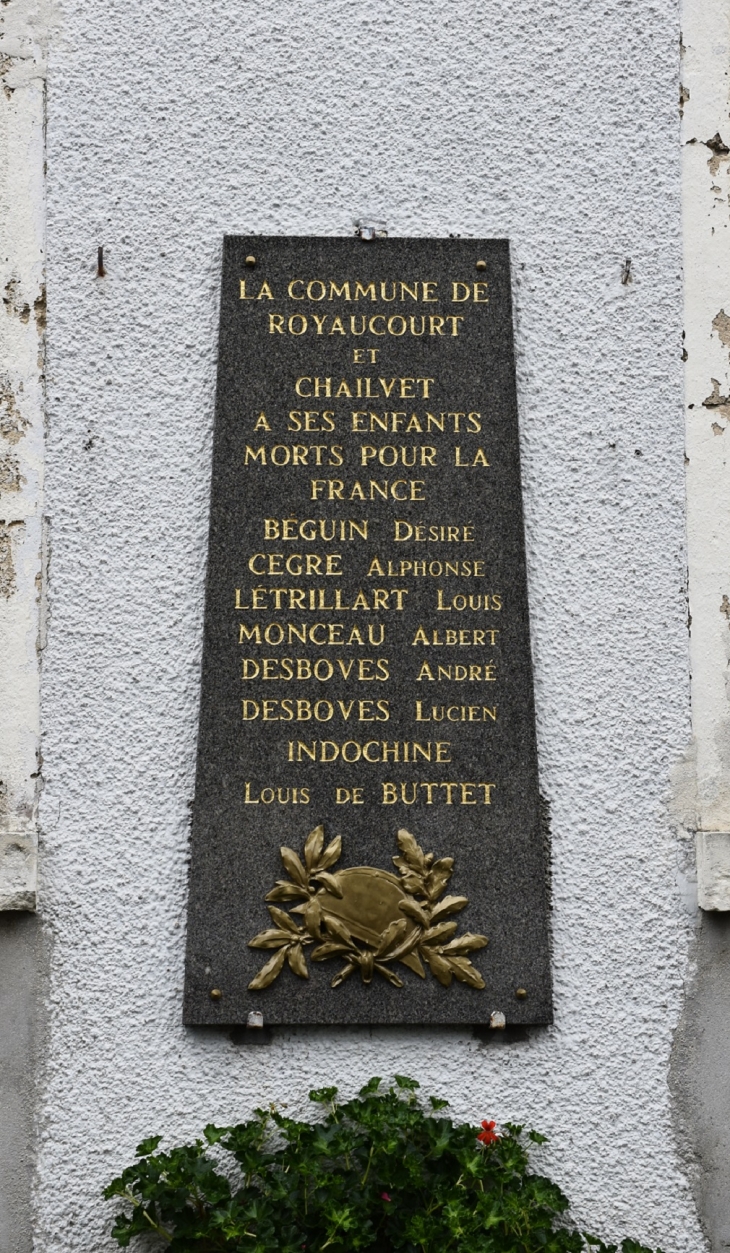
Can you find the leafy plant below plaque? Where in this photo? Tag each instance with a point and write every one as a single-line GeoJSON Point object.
{"type": "Point", "coordinates": [382, 1172]}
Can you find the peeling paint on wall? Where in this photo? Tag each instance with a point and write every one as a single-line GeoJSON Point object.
{"type": "Point", "coordinates": [22, 322]}
{"type": "Point", "coordinates": [7, 559]}
{"type": "Point", "coordinates": [12, 422]}
{"type": "Point", "coordinates": [701, 784]}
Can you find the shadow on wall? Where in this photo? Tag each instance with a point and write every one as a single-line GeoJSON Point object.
{"type": "Point", "coordinates": [700, 1078]}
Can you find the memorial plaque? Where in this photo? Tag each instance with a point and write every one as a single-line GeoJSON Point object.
{"type": "Point", "coordinates": [366, 845]}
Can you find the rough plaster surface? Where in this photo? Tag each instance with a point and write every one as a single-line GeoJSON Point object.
{"type": "Point", "coordinates": [557, 126]}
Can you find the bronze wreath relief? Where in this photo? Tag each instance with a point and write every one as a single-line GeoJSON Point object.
{"type": "Point", "coordinates": [368, 918]}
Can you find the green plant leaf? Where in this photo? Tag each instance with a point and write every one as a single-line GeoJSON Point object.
{"type": "Point", "coordinates": [381, 1172]}
{"type": "Point", "coordinates": [323, 1096]}
{"type": "Point", "coordinates": [147, 1146]}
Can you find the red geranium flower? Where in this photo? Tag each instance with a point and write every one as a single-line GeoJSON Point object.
{"type": "Point", "coordinates": [384, 1196]}
{"type": "Point", "coordinates": [488, 1135]}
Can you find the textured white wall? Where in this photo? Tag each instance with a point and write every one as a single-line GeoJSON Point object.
{"type": "Point", "coordinates": [553, 124]}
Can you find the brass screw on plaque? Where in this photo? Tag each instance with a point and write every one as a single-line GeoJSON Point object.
{"type": "Point", "coordinates": [481, 265]}
{"type": "Point", "coordinates": [215, 994]}
{"type": "Point", "coordinates": [250, 260]}
{"type": "Point", "coordinates": [521, 994]}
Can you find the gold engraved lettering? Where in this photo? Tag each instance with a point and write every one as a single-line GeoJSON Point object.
{"type": "Point", "coordinates": [286, 669]}
{"type": "Point", "coordinates": [371, 752]}
{"type": "Point", "coordinates": [455, 713]}
{"type": "Point", "coordinates": [481, 602]}
{"type": "Point", "coordinates": [349, 796]}
{"type": "Point", "coordinates": [412, 793]}
{"type": "Point", "coordinates": [279, 795]}
{"type": "Point", "coordinates": [317, 711]}
{"type": "Point", "coordinates": [455, 638]}
{"type": "Point", "coordinates": [310, 529]}
{"type": "Point", "coordinates": [376, 489]}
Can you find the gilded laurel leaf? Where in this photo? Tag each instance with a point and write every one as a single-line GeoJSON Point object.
{"type": "Point", "coordinates": [329, 881]}
{"type": "Point", "coordinates": [466, 943]}
{"type": "Point", "coordinates": [437, 935]}
{"type": "Point", "coordinates": [285, 891]}
{"type": "Point", "coordinates": [411, 850]}
{"type": "Point", "coordinates": [268, 973]}
{"type": "Point", "coordinates": [331, 854]}
{"type": "Point", "coordinates": [414, 963]}
{"type": "Point", "coordinates": [412, 883]}
{"type": "Point", "coordinates": [465, 972]}
{"type": "Point", "coordinates": [437, 878]}
{"type": "Point", "coordinates": [294, 867]}
{"type": "Point", "coordinates": [283, 920]}
{"type": "Point", "coordinates": [313, 847]}
{"type": "Point", "coordinates": [391, 937]}
{"type": "Point", "coordinates": [410, 942]}
{"type": "Point", "coordinates": [438, 966]}
{"type": "Point", "coordinates": [312, 918]}
{"type": "Point", "coordinates": [295, 957]}
{"type": "Point", "coordinates": [338, 930]}
{"type": "Point", "coordinates": [270, 939]}
{"type": "Point", "coordinates": [414, 911]}
{"type": "Point", "coordinates": [449, 905]}
{"type": "Point", "coordinates": [435, 884]}
{"type": "Point", "coordinates": [328, 949]}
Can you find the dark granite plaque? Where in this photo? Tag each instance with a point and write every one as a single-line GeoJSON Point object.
{"type": "Point", "coordinates": [367, 687]}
